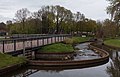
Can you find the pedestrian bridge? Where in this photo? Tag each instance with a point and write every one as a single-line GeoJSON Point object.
{"type": "Point", "coordinates": [19, 43]}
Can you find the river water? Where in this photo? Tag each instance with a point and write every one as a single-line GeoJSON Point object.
{"type": "Point", "coordinates": [110, 69]}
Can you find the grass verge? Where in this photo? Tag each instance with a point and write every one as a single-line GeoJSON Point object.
{"type": "Point", "coordinates": [8, 60]}
{"type": "Point", "coordinates": [113, 42]}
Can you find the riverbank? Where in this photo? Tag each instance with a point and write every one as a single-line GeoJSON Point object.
{"type": "Point", "coordinates": [113, 43]}
{"type": "Point", "coordinates": [9, 62]}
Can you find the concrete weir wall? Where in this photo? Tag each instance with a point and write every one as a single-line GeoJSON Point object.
{"type": "Point", "coordinates": [104, 58]}
{"type": "Point", "coordinates": [54, 56]}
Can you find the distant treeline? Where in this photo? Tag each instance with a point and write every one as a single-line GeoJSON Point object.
{"type": "Point", "coordinates": [49, 20]}
{"type": "Point", "coordinates": [58, 20]}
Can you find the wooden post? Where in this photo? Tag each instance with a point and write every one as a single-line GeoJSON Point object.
{"type": "Point", "coordinates": [14, 45]}
{"type": "Point", "coordinates": [60, 38]}
{"type": "Point", "coordinates": [23, 48]}
{"type": "Point", "coordinates": [31, 43]}
{"type": "Point", "coordinates": [55, 39]}
{"type": "Point", "coordinates": [47, 40]}
{"type": "Point", "coordinates": [51, 40]}
{"type": "Point", "coordinates": [37, 42]}
{"type": "Point", "coordinates": [42, 41]}
{"type": "Point", "coordinates": [3, 46]}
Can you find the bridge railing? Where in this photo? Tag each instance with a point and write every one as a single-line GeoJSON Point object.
{"type": "Point", "coordinates": [22, 43]}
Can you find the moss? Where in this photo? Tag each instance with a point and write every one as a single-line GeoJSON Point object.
{"type": "Point", "coordinates": [7, 60]}
{"type": "Point", "coordinates": [58, 47]}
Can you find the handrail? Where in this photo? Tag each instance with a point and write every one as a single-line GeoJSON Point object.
{"type": "Point", "coordinates": [15, 44]}
{"type": "Point", "coordinates": [35, 37]}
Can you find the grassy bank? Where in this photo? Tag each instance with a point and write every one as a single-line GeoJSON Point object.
{"type": "Point", "coordinates": [8, 60]}
{"type": "Point", "coordinates": [66, 46]}
{"type": "Point", "coordinates": [58, 47]}
{"type": "Point", "coordinates": [113, 42]}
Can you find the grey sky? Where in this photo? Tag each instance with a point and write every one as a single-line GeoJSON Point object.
{"type": "Point", "coordinates": [94, 9]}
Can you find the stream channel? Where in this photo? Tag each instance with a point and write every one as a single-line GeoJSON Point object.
{"type": "Point", "coordinates": [109, 69]}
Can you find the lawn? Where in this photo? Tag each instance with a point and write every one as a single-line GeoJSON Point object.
{"type": "Point", "coordinates": [113, 42]}
{"type": "Point", "coordinates": [58, 47]}
{"type": "Point", "coordinates": [8, 60]}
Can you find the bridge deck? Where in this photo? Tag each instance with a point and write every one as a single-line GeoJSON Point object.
{"type": "Point", "coordinates": [12, 45]}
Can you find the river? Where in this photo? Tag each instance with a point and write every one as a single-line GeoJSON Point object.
{"type": "Point", "coordinates": [110, 69]}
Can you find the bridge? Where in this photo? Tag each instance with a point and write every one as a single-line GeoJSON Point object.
{"type": "Point", "coordinates": [19, 44]}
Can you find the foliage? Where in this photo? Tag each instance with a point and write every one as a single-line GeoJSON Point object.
{"type": "Point", "coordinates": [114, 10]}
{"type": "Point", "coordinates": [50, 20]}
{"type": "Point", "coordinates": [109, 28]}
{"type": "Point", "coordinates": [58, 47]}
{"type": "Point", "coordinates": [76, 40]}
{"type": "Point", "coordinates": [68, 41]}
{"type": "Point", "coordinates": [80, 39]}
{"type": "Point", "coordinates": [113, 42]}
{"type": "Point", "coordinates": [7, 60]}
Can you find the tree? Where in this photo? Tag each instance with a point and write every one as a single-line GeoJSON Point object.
{"type": "Point", "coordinates": [58, 15]}
{"type": "Point", "coordinates": [51, 19]}
{"type": "Point", "coordinates": [37, 18]}
{"type": "Point", "coordinates": [109, 28]}
{"type": "Point", "coordinates": [22, 15]}
{"type": "Point", "coordinates": [114, 9]}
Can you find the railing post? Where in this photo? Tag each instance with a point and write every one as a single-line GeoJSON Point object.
{"type": "Point", "coordinates": [51, 40]}
{"type": "Point", "coordinates": [58, 38]}
{"type": "Point", "coordinates": [14, 45]}
{"type": "Point", "coordinates": [3, 46]}
{"type": "Point", "coordinates": [37, 42]}
{"type": "Point", "coordinates": [23, 47]}
{"type": "Point", "coordinates": [42, 41]}
{"type": "Point", "coordinates": [55, 39]}
{"type": "Point", "coordinates": [31, 42]}
{"type": "Point", "coordinates": [47, 40]}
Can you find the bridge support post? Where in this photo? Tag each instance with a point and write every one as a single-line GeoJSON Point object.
{"type": "Point", "coordinates": [51, 40]}
{"type": "Point", "coordinates": [23, 48]}
{"type": "Point", "coordinates": [37, 42]}
{"type": "Point", "coordinates": [14, 45]}
{"type": "Point", "coordinates": [42, 41]}
{"type": "Point", "coordinates": [3, 46]}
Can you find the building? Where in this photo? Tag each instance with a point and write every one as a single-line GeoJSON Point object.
{"type": "Point", "coordinates": [3, 29]}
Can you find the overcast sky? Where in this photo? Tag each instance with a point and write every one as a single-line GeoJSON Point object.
{"type": "Point", "coordinates": [94, 9]}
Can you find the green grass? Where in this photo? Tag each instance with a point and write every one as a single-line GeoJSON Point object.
{"type": "Point", "coordinates": [58, 47]}
{"type": "Point", "coordinates": [76, 40]}
{"type": "Point", "coordinates": [113, 42]}
{"type": "Point", "coordinates": [8, 60]}
{"type": "Point", "coordinates": [67, 47]}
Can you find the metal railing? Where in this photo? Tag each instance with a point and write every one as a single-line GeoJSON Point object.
{"type": "Point", "coordinates": [29, 41]}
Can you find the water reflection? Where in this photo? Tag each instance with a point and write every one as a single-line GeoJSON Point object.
{"type": "Point", "coordinates": [110, 69]}
{"type": "Point", "coordinates": [114, 69]}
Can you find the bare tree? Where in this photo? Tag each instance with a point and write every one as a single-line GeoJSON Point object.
{"type": "Point", "coordinates": [22, 15]}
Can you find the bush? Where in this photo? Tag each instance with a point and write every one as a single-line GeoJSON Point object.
{"type": "Point", "coordinates": [68, 41]}
{"type": "Point", "coordinates": [75, 40]}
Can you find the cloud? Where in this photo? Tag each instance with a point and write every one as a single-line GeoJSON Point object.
{"type": "Point", "coordinates": [4, 19]}
{"type": "Point", "coordinates": [94, 9]}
